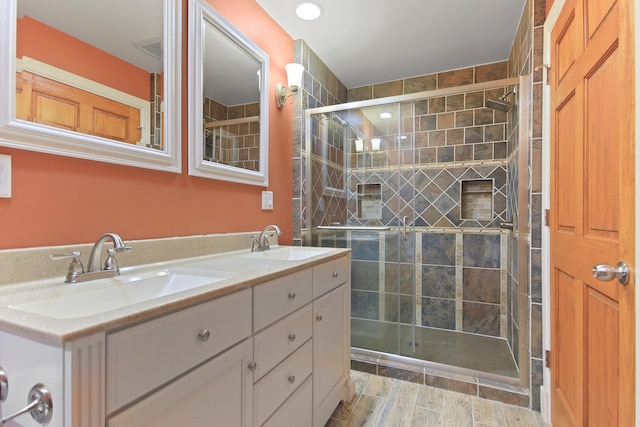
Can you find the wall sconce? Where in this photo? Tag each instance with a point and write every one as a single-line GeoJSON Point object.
{"type": "Point", "coordinates": [294, 79]}
{"type": "Point", "coordinates": [375, 144]}
{"type": "Point", "coordinates": [359, 145]}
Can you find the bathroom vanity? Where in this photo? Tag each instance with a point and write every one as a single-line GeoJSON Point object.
{"type": "Point", "coordinates": [266, 343]}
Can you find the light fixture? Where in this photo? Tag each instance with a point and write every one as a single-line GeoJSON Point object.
{"type": "Point", "coordinates": [385, 115]}
{"type": "Point", "coordinates": [294, 80]}
{"type": "Point", "coordinates": [308, 10]}
{"type": "Point", "coordinates": [375, 144]}
{"type": "Point", "coordinates": [359, 145]}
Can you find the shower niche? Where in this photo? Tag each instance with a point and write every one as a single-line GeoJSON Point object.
{"type": "Point", "coordinates": [476, 199]}
{"type": "Point", "coordinates": [369, 201]}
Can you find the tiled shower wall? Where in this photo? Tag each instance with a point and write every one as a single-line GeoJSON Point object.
{"type": "Point", "coordinates": [460, 278]}
{"type": "Point", "coordinates": [524, 60]}
{"type": "Point", "coordinates": [232, 144]}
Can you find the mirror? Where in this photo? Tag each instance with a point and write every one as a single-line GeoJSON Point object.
{"type": "Point", "coordinates": [228, 110]}
{"type": "Point", "coordinates": [92, 79]}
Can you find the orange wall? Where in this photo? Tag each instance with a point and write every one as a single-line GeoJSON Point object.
{"type": "Point", "coordinates": [46, 44]}
{"type": "Point", "coordinates": [61, 200]}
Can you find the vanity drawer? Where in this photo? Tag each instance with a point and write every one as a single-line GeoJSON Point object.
{"type": "Point", "coordinates": [277, 298]}
{"type": "Point", "coordinates": [276, 342]}
{"type": "Point", "coordinates": [330, 275]}
{"type": "Point", "coordinates": [272, 390]}
{"type": "Point", "coordinates": [142, 357]}
{"type": "Point", "coordinates": [296, 411]}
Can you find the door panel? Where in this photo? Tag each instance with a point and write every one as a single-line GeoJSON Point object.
{"type": "Point", "coordinates": [49, 102]}
{"type": "Point", "coordinates": [601, 143]}
{"type": "Point", "coordinates": [566, 153]}
{"type": "Point", "coordinates": [592, 213]}
{"type": "Point", "coordinates": [602, 346]}
{"type": "Point", "coordinates": [568, 365]}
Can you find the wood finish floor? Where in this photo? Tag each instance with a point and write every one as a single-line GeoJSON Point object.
{"type": "Point", "coordinates": [387, 402]}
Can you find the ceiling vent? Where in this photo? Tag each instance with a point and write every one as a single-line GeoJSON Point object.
{"type": "Point", "coordinates": [152, 47]}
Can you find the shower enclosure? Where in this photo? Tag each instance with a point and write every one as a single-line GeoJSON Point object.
{"type": "Point", "coordinates": [418, 187]}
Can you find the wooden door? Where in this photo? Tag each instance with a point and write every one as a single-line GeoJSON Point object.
{"type": "Point", "coordinates": [43, 100]}
{"type": "Point", "coordinates": [592, 213]}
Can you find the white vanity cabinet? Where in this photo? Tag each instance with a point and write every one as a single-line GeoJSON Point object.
{"type": "Point", "coordinates": [156, 356]}
{"type": "Point", "coordinates": [306, 352]}
{"type": "Point", "coordinates": [218, 393]}
{"type": "Point", "coordinates": [331, 337]}
{"type": "Point", "coordinates": [273, 354]}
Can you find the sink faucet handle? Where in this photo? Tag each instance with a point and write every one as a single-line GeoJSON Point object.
{"type": "Point", "coordinates": [254, 242]}
{"type": "Point", "coordinates": [76, 268]}
{"type": "Point", "coordinates": [110, 263]}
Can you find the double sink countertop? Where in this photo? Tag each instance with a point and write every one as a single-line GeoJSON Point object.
{"type": "Point", "coordinates": [54, 312]}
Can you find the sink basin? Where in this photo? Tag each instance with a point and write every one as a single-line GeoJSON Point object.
{"type": "Point", "coordinates": [289, 253]}
{"type": "Point", "coordinates": [124, 292]}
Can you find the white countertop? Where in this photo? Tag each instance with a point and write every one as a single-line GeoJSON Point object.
{"type": "Point", "coordinates": [238, 270]}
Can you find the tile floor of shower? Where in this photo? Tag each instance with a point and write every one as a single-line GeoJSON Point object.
{"type": "Point", "coordinates": [468, 351]}
{"type": "Point", "coordinates": [382, 402]}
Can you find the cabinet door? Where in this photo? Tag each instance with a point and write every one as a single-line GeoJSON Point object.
{"type": "Point", "coordinates": [331, 346]}
{"type": "Point", "coordinates": [218, 393]}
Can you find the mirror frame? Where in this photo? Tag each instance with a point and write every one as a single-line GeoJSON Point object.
{"type": "Point", "coordinates": [201, 14]}
{"type": "Point", "coordinates": [25, 135]}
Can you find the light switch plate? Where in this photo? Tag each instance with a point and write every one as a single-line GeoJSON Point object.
{"type": "Point", "coordinates": [5, 176]}
{"type": "Point", "coordinates": [267, 200]}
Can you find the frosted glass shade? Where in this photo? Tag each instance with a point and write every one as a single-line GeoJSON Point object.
{"type": "Point", "coordinates": [294, 75]}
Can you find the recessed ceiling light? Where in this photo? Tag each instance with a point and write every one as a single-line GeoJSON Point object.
{"type": "Point", "coordinates": [308, 10]}
{"type": "Point", "coordinates": [385, 115]}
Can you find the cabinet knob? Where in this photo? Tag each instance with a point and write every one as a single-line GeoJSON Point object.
{"type": "Point", "coordinates": [204, 335]}
{"type": "Point", "coordinates": [292, 295]}
{"type": "Point", "coordinates": [292, 379]}
{"type": "Point", "coordinates": [335, 274]}
{"type": "Point", "coordinates": [252, 366]}
{"type": "Point", "coordinates": [292, 337]}
{"type": "Point", "coordinates": [319, 317]}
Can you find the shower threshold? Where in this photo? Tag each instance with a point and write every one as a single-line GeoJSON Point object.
{"type": "Point", "coordinates": [478, 354]}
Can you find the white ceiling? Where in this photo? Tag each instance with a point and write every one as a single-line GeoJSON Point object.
{"type": "Point", "coordinates": [373, 41]}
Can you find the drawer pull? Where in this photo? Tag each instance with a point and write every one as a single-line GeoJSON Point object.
{"type": "Point", "coordinates": [319, 317]}
{"type": "Point", "coordinates": [292, 337]}
{"type": "Point", "coordinates": [292, 379]}
{"type": "Point", "coordinates": [252, 366]}
{"type": "Point", "coordinates": [204, 335]}
{"type": "Point", "coordinates": [335, 274]}
{"type": "Point", "coordinates": [292, 295]}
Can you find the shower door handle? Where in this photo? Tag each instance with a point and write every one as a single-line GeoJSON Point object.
{"type": "Point", "coordinates": [404, 228]}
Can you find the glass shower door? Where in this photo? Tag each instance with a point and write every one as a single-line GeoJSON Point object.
{"type": "Point", "coordinates": [361, 196]}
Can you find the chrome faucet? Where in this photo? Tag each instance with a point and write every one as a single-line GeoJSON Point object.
{"type": "Point", "coordinates": [261, 243]}
{"type": "Point", "coordinates": [95, 268]}
{"type": "Point", "coordinates": [95, 258]}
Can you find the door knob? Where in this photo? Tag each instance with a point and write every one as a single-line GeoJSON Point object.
{"type": "Point", "coordinates": [606, 272]}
